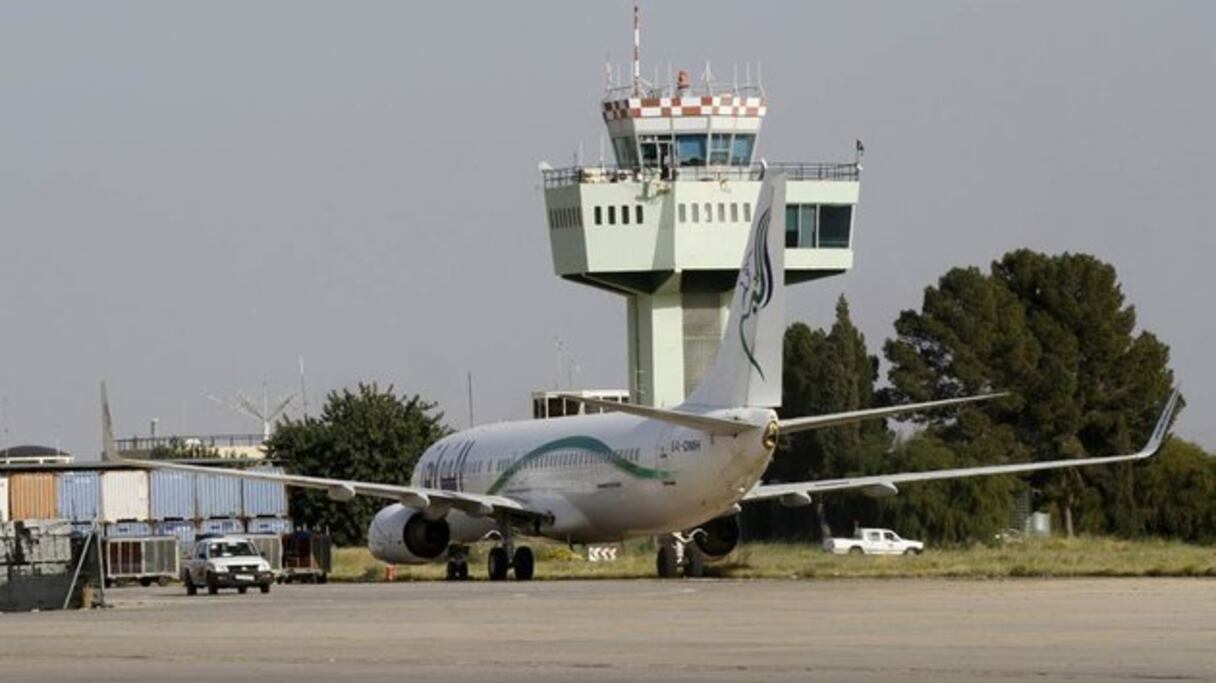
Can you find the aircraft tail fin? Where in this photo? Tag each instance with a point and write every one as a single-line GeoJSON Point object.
{"type": "Point", "coordinates": [747, 368]}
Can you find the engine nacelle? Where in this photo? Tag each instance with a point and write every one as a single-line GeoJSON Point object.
{"type": "Point", "coordinates": [718, 537]}
{"type": "Point", "coordinates": [403, 535]}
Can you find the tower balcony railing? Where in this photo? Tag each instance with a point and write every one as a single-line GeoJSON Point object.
{"type": "Point", "coordinates": [587, 175]}
{"type": "Point", "coordinates": [697, 89]}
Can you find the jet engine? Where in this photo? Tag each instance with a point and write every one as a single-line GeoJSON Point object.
{"type": "Point", "coordinates": [718, 537]}
{"type": "Point", "coordinates": [404, 535]}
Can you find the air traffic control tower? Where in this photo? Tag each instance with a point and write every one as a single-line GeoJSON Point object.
{"type": "Point", "coordinates": [666, 225]}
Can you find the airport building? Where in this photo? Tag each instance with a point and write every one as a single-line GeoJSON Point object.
{"type": "Point", "coordinates": [666, 224]}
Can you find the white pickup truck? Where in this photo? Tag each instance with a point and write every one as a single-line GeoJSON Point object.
{"type": "Point", "coordinates": [226, 562]}
{"type": "Point", "coordinates": [873, 542]}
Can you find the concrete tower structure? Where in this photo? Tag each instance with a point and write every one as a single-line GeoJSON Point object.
{"type": "Point", "coordinates": [666, 225]}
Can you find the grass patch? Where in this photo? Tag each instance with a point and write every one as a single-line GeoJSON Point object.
{"type": "Point", "coordinates": [1055, 557]}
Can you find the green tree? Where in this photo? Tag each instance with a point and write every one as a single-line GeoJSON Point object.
{"type": "Point", "coordinates": [1056, 331]}
{"type": "Point", "coordinates": [369, 435]}
{"type": "Point", "coordinates": [180, 449]}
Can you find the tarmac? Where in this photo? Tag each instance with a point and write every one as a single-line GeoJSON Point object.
{"type": "Point", "coordinates": [679, 630]}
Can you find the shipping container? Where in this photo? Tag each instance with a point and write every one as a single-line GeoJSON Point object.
{"type": "Point", "coordinates": [270, 547]}
{"type": "Point", "coordinates": [183, 530]}
{"type": "Point", "coordinates": [145, 559]}
{"type": "Point", "coordinates": [171, 494]}
{"type": "Point", "coordinates": [32, 495]}
{"type": "Point", "coordinates": [221, 526]}
{"type": "Point", "coordinates": [264, 498]}
{"type": "Point", "coordinates": [124, 495]}
{"type": "Point", "coordinates": [3, 498]}
{"type": "Point", "coordinates": [79, 496]}
{"type": "Point", "coordinates": [217, 496]}
{"type": "Point", "coordinates": [128, 529]}
{"type": "Point", "coordinates": [268, 525]}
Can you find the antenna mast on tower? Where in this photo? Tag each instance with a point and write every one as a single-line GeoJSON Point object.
{"type": "Point", "coordinates": [637, 52]}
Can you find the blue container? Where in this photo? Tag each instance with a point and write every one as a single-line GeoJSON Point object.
{"type": "Point", "coordinates": [171, 494]}
{"type": "Point", "coordinates": [217, 496]}
{"type": "Point", "coordinates": [268, 525]}
{"type": "Point", "coordinates": [221, 526]}
{"type": "Point", "coordinates": [183, 530]}
{"type": "Point", "coordinates": [264, 498]}
{"type": "Point", "coordinates": [79, 496]}
{"type": "Point", "coordinates": [128, 529]}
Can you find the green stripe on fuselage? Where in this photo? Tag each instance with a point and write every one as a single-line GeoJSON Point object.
{"type": "Point", "coordinates": [584, 444]}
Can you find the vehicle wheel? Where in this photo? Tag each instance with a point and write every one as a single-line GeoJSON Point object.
{"type": "Point", "coordinates": [212, 588]}
{"type": "Point", "coordinates": [855, 550]}
{"type": "Point", "coordinates": [145, 581]}
{"type": "Point", "coordinates": [265, 588]}
{"type": "Point", "coordinates": [525, 563]}
{"type": "Point", "coordinates": [191, 589]}
{"type": "Point", "coordinates": [322, 578]}
{"type": "Point", "coordinates": [911, 551]}
{"type": "Point", "coordinates": [163, 581]}
{"type": "Point", "coordinates": [694, 562]}
{"type": "Point", "coordinates": [242, 589]}
{"type": "Point", "coordinates": [666, 562]}
{"type": "Point", "coordinates": [280, 580]}
{"type": "Point", "coordinates": [498, 564]}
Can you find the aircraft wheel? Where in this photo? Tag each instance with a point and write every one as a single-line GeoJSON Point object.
{"type": "Point", "coordinates": [498, 564]}
{"type": "Point", "coordinates": [694, 562]}
{"type": "Point", "coordinates": [525, 563]}
{"type": "Point", "coordinates": [453, 570]}
{"type": "Point", "coordinates": [462, 571]}
{"type": "Point", "coordinates": [242, 589]}
{"type": "Point", "coordinates": [667, 564]}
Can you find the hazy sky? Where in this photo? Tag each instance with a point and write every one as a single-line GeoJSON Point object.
{"type": "Point", "coordinates": [191, 196]}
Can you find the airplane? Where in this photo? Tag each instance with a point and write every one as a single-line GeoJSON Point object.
{"type": "Point", "coordinates": [679, 474]}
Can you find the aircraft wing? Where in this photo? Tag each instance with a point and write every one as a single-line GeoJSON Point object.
{"type": "Point", "coordinates": [476, 504]}
{"type": "Point", "coordinates": [885, 484]}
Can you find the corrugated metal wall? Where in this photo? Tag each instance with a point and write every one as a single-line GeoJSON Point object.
{"type": "Point", "coordinates": [172, 494]}
{"type": "Point", "coordinates": [264, 498]}
{"type": "Point", "coordinates": [221, 526]}
{"type": "Point", "coordinates": [79, 496]}
{"type": "Point", "coordinates": [124, 495]}
{"type": "Point", "coordinates": [32, 495]}
{"type": "Point", "coordinates": [268, 525]}
{"type": "Point", "coordinates": [217, 496]}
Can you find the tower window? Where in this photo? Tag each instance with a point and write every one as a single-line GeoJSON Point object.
{"type": "Point", "coordinates": [599, 215]}
{"type": "Point", "coordinates": [611, 215]}
{"type": "Point", "coordinates": [696, 213]}
{"type": "Point", "coordinates": [682, 208]}
{"type": "Point", "coordinates": [747, 211]}
{"type": "Point", "coordinates": [734, 212]}
{"type": "Point", "coordinates": [624, 214]}
{"type": "Point", "coordinates": [637, 214]}
{"type": "Point", "coordinates": [741, 150]}
{"type": "Point", "coordinates": [719, 149]}
{"type": "Point", "coordinates": [690, 149]}
{"type": "Point", "coordinates": [709, 212]}
{"type": "Point", "coordinates": [721, 212]}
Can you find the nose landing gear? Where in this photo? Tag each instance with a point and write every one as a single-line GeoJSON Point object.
{"type": "Point", "coordinates": [458, 562]}
{"type": "Point", "coordinates": [678, 553]}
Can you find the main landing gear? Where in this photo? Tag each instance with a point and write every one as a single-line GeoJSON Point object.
{"type": "Point", "coordinates": [678, 553]}
{"type": "Point", "coordinates": [502, 561]}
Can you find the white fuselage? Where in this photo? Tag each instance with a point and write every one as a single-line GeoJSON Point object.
{"type": "Point", "coordinates": [601, 478]}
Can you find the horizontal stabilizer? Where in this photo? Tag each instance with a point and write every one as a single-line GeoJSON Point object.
{"type": "Point", "coordinates": [711, 425]}
{"type": "Point", "coordinates": [799, 424]}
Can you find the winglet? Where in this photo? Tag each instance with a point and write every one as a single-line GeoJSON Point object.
{"type": "Point", "coordinates": [1163, 424]}
{"type": "Point", "coordinates": [108, 452]}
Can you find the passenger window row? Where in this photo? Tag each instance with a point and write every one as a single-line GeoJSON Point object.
{"type": "Point", "coordinates": [710, 212]}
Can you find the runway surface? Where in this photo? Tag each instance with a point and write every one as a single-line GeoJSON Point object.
{"type": "Point", "coordinates": [711, 630]}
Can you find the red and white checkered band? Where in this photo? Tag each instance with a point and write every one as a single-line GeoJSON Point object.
{"type": "Point", "coordinates": [670, 107]}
